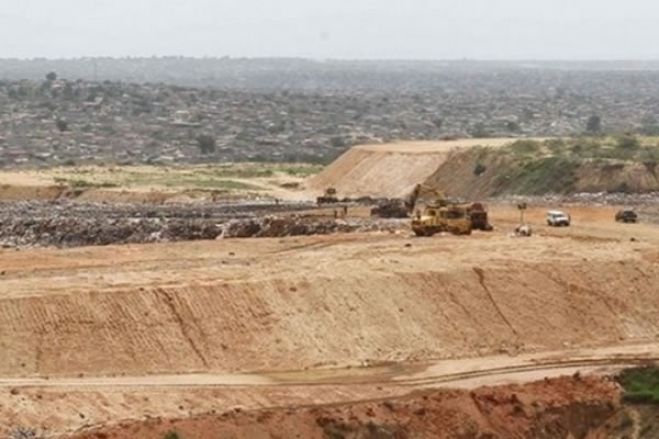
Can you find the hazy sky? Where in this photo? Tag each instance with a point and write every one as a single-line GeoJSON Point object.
{"type": "Point", "coordinates": [404, 29]}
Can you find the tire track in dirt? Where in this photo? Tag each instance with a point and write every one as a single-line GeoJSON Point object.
{"type": "Point", "coordinates": [378, 378]}
{"type": "Point", "coordinates": [184, 324]}
{"type": "Point", "coordinates": [481, 279]}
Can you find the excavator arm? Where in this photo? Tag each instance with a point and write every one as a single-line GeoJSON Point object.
{"type": "Point", "coordinates": [423, 191]}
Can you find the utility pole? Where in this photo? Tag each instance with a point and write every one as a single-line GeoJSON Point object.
{"type": "Point", "coordinates": [522, 208]}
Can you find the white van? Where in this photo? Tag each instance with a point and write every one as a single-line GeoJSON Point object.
{"type": "Point", "coordinates": [557, 218]}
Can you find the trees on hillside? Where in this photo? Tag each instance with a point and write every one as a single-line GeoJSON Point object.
{"type": "Point", "coordinates": [594, 124]}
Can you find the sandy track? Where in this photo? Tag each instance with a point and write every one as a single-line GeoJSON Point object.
{"type": "Point", "coordinates": [66, 405]}
{"type": "Point", "coordinates": [463, 373]}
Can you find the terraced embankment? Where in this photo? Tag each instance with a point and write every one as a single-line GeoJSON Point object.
{"type": "Point", "coordinates": [389, 170]}
{"type": "Point", "coordinates": [275, 305]}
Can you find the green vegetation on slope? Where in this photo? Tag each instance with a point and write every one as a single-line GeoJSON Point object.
{"type": "Point", "coordinates": [531, 167]}
{"type": "Point", "coordinates": [226, 177]}
{"type": "Point", "coordinates": [641, 385]}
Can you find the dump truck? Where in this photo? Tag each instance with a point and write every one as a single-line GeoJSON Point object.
{"type": "Point", "coordinates": [479, 217]}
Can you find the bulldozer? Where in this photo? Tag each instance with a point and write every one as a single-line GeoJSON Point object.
{"type": "Point", "coordinates": [329, 197]}
{"type": "Point", "coordinates": [436, 218]}
{"type": "Point", "coordinates": [442, 215]}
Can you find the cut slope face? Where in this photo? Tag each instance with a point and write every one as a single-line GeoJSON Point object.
{"type": "Point", "coordinates": [317, 301]}
{"type": "Point", "coordinates": [557, 408]}
{"type": "Point", "coordinates": [389, 170]}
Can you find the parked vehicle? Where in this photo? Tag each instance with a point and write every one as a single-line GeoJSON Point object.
{"type": "Point", "coordinates": [626, 216]}
{"type": "Point", "coordinates": [558, 218]}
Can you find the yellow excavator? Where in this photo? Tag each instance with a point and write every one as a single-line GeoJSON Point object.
{"type": "Point", "coordinates": [329, 197]}
{"type": "Point", "coordinates": [438, 214]}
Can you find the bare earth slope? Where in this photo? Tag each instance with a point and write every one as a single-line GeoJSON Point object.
{"type": "Point", "coordinates": [566, 407]}
{"type": "Point", "coordinates": [389, 170]}
{"type": "Point", "coordinates": [317, 301]}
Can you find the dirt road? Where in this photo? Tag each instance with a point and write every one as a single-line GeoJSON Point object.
{"type": "Point", "coordinates": [463, 373]}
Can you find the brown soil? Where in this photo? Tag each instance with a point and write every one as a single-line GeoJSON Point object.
{"type": "Point", "coordinates": [293, 303]}
{"type": "Point", "coordinates": [96, 335]}
{"type": "Point", "coordinates": [565, 407]}
{"type": "Point", "coordinates": [389, 170]}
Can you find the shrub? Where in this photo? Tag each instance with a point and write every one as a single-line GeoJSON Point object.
{"type": "Point", "coordinates": [641, 385]}
{"type": "Point", "coordinates": [206, 143]}
{"type": "Point", "coordinates": [513, 126]}
{"type": "Point", "coordinates": [479, 131]}
{"type": "Point", "coordinates": [62, 125]}
{"type": "Point", "coordinates": [337, 142]}
{"type": "Point", "coordinates": [594, 124]}
{"type": "Point", "coordinates": [525, 147]}
{"type": "Point", "coordinates": [627, 141]}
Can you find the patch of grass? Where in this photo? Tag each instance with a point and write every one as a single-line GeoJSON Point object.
{"type": "Point", "coordinates": [230, 185]}
{"type": "Point", "coordinates": [525, 147]}
{"type": "Point", "coordinates": [263, 170]}
{"type": "Point", "coordinates": [242, 172]}
{"type": "Point", "coordinates": [83, 184]}
{"type": "Point", "coordinates": [172, 435]}
{"type": "Point", "coordinates": [230, 176]}
{"type": "Point", "coordinates": [539, 176]}
{"type": "Point", "coordinates": [641, 385]}
{"type": "Point", "coordinates": [622, 147]}
{"type": "Point", "coordinates": [301, 170]}
{"type": "Point", "coordinates": [537, 167]}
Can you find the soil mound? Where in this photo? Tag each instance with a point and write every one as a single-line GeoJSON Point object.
{"type": "Point", "coordinates": [389, 170]}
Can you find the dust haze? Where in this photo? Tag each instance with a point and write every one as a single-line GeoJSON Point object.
{"type": "Point", "coordinates": [361, 29]}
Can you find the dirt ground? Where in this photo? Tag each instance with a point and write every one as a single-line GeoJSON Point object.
{"type": "Point", "coordinates": [565, 407]}
{"type": "Point", "coordinates": [99, 336]}
{"type": "Point", "coordinates": [359, 335]}
{"type": "Point", "coordinates": [159, 184]}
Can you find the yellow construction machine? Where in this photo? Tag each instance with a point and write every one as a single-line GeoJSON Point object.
{"type": "Point", "coordinates": [329, 197]}
{"type": "Point", "coordinates": [439, 214]}
{"type": "Point", "coordinates": [435, 218]}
